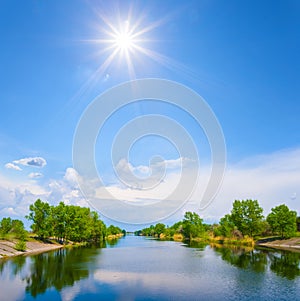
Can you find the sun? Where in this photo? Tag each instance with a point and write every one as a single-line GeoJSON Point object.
{"type": "Point", "coordinates": [124, 41]}
{"type": "Point", "coordinates": [127, 39]}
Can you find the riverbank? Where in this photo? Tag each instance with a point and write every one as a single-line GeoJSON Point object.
{"type": "Point", "coordinates": [292, 244]}
{"type": "Point", "coordinates": [7, 248]}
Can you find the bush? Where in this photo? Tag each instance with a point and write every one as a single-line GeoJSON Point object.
{"type": "Point", "coordinates": [20, 245]}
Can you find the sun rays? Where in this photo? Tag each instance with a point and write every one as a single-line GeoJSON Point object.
{"type": "Point", "coordinates": [123, 39]}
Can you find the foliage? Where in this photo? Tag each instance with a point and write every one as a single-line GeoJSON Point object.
{"type": "Point", "coordinates": [247, 216]}
{"type": "Point", "coordinates": [15, 228]}
{"type": "Point", "coordinates": [6, 225]}
{"type": "Point", "coordinates": [282, 221]}
{"type": "Point", "coordinates": [227, 226]}
{"type": "Point", "coordinates": [113, 230]}
{"type": "Point", "coordinates": [159, 229]}
{"type": "Point", "coordinates": [192, 225]}
{"type": "Point", "coordinates": [148, 231]}
{"type": "Point", "coordinates": [66, 222]}
{"type": "Point", "coordinates": [46, 273]}
{"type": "Point", "coordinates": [40, 215]}
{"type": "Point", "coordinates": [18, 229]}
{"type": "Point", "coordinates": [20, 245]}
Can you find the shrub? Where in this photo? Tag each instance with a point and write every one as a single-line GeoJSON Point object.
{"type": "Point", "coordinates": [20, 245]}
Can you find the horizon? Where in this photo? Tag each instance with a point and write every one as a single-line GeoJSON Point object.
{"type": "Point", "coordinates": [240, 58]}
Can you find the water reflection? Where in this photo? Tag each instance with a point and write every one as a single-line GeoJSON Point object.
{"type": "Point", "coordinates": [58, 269]}
{"type": "Point", "coordinates": [165, 270]}
{"type": "Point", "coordinates": [283, 263]}
{"type": "Point", "coordinates": [18, 264]}
{"type": "Point", "coordinates": [112, 242]}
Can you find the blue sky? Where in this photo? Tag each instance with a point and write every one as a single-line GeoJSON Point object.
{"type": "Point", "coordinates": [242, 57]}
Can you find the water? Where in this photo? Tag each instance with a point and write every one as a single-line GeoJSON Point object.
{"type": "Point", "coordinates": [137, 268]}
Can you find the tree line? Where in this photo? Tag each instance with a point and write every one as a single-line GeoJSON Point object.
{"type": "Point", "coordinates": [68, 223]}
{"type": "Point", "coordinates": [13, 229]}
{"type": "Point", "coordinates": [246, 219]}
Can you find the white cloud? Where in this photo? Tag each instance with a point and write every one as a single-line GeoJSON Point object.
{"type": "Point", "coordinates": [35, 175]}
{"type": "Point", "coordinates": [272, 179]}
{"type": "Point", "coordinates": [31, 161]}
{"type": "Point", "coordinates": [12, 166]}
{"type": "Point", "coordinates": [147, 177]}
{"type": "Point", "coordinates": [15, 197]}
{"type": "Point", "coordinates": [178, 163]}
{"type": "Point", "coordinates": [71, 177]}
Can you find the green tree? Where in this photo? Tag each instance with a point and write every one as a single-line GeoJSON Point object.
{"type": "Point", "coordinates": [177, 227]}
{"type": "Point", "coordinates": [159, 229]}
{"type": "Point", "coordinates": [58, 216]}
{"type": "Point", "coordinates": [98, 227]}
{"type": "Point", "coordinates": [282, 221]}
{"type": "Point", "coordinates": [40, 215]}
{"type": "Point", "coordinates": [192, 225]}
{"type": "Point", "coordinates": [113, 230]}
{"type": "Point", "coordinates": [18, 229]}
{"type": "Point", "coordinates": [82, 229]}
{"type": "Point", "coordinates": [150, 231]}
{"type": "Point", "coordinates": [6, 225]}
{"type": "Point", "coordinates": [247, 216]}
{"type": "Point", "coordinates": [227, 226]}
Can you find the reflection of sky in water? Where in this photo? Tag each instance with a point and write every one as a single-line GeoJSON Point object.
{"type": "Point", "coordinates": [145, 269]}
{"type": "Point", "coordinates": [12, 275]}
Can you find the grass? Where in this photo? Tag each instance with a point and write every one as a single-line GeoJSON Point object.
{"type": "Point", "coordinates": [178, 237]}
{"type": "Point", "coordinates": [246, 241]}
{"type": "Point", "coordinates": [114, 236]}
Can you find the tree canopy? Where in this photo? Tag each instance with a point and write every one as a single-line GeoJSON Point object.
{"type": "Point", "coordinates": [247, 216]}
{"type": "Point", "coordinates": [66, 222]}
{"type": "Point", "coordinates": [12, 226]}
{"type": "Point", "coordinates": [282, 221]}
{"type": "Point", "coordinates": [192, 225]}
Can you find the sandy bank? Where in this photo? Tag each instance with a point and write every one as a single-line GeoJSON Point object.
{"type": "Point", "coordinates": [7, 248]}
{"type": "Point", "coordinates": [292, 244]}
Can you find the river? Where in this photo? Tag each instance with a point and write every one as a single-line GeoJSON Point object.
{"type": "Point", "coordinates": [139, 268]}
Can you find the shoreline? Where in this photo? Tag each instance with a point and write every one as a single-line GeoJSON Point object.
{"type": "Point", "coordinates": [7, 248]}
{"type": "Point", "coordinates": [292, 244]}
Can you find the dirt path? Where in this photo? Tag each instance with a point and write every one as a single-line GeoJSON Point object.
{"type": "Point", "coordinates": [7, 248]}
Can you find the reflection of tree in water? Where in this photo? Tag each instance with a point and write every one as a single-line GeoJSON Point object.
{"type": "Point", "coordinates": [111, 242]}
{"type": "Point", "coordinates": [2, 264]}
{"type": "Point", "coordinates": [239, 257]}
{"type": "Point", "coordinates": [59, 269]}
{"type": "Point", "coordinates": [197, 244]}
{"type": "Point", "coordinates": [284, 263]}
{"type": "Point", "coordinates": [16, 263]}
